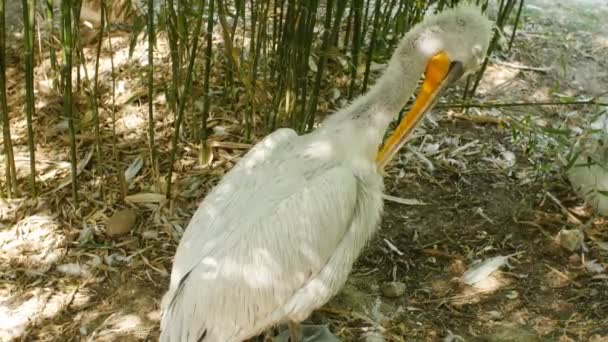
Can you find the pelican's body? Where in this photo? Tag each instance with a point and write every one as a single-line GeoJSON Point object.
{"type": "Point", "coordinates": [249, 264]}
{"type": "Point", "coordinates": [278, 236]}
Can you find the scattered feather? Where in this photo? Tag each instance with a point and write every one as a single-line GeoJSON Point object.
{"type": "Point", "coordinates": [86, 234]}
{"type": "Point", "coordinates": [593, 266]}
{"type": "Point", "coordinates": [482, 270]}
{"type": "Point", "coordinates": [452, 338]}
{"type": "Point", "coordinates": [134, 168]}
{"type": "Point", "coordinates": [393, 247]}
{"type": "Point", "coordinates": [115, 259]}
{"type": "Point", "coordinates": [73, 269]}
{"type": "Point", "coordinates": [404, 201]}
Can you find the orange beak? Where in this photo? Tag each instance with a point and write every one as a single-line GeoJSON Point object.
{"type": "Point", "coordinates": [440, 71]}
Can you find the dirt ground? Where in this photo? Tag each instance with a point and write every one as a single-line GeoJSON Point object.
{"type": "Point", "coordinates": [481, 189]}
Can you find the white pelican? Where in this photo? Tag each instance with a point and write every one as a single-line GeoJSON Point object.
{"type": "Point", "coordinates": [278, 236]}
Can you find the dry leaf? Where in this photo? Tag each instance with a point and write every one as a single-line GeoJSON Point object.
{"type": "Point", "coordinates": [134, 168]}
{"type": "Point", "coordinates": [146, 197]}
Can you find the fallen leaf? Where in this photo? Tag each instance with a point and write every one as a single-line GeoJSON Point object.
{"type": "Point", "coordinates": [134, 168]}
{"type": "Point", "coordinates": [146, 197]}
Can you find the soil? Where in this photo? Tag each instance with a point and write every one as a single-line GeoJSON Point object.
{"type": "Point", "coordinates": [484, 190]}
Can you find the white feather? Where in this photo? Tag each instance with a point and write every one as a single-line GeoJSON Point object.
{"type": "Point", "coordinates": [482, 270]}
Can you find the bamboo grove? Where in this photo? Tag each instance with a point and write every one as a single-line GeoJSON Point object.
{"type": "Point", "coordinates": [275, 56]}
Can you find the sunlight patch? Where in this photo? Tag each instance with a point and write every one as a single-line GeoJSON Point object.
{"type": "Point", "coordinates": [25, 309]}
{"type": "Point", "coordinates": [33, 243]}
{"type": "Point", "coordinates": [118, 325]}
{"type": "Point", "coordinates": [497, 77]}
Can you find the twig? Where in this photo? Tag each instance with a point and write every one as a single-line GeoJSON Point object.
{"type": "Point", "coordinates": [564, 209]}
{"type": "Point", "coordinates": [423, 158]}
{"type": "Point", "coordinates": [520, 104]}
{"type": "Point", "coordinates": [479, 119]}
{"type": "Point", "coordinates": [228, 144]}
{"type": "Point", "coordinates": [565, 276]}
{"type": "Point", "coordinates": [523, 67]}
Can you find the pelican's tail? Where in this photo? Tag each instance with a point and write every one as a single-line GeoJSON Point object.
{"type": "Point", "coordinates": [177, 322]}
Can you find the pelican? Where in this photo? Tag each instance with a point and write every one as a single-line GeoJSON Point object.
{"type": "Point", "coordinates": [278, 236]}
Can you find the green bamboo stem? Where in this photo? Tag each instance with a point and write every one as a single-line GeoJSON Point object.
{"type": "Point", "coordinates": [50, 17]}
{"type": "Point", "coordinates": [521, 5]}
{"type": "Point", "coordinates": [206, 77]}
{"type": "Point", "coordinates": [325, 45]}
{"type": "Point", "coordinates": [29, 14]}
{"type": "Point", "coordinates": [173, 38]}
{"type": "Point", "coordinates": [66, 15]}
{"type": "Point", "coordinates": [186, 93]}
{"type": "Point", "coordinates": [11, 178]}
{"type": "Point", "coordinates": [357, 8]}
{"type": "Point", "coordinates": [96, 124]}
{"type": "Point", "coordinates": [151, 39]}
{"type": "Point", "coordinates": [372, 46]}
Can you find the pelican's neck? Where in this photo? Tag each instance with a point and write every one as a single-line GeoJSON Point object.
{"type": "Point", "coordinates": [367, 118]}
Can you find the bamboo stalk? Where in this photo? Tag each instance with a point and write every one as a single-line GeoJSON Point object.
{"type": "Point", "coordinates": [491, 48]}
{"type": "Point", "coordinates": [202, 139]}
{"type": "Point", "coordinates": [521, 5]}
{"type": "Point", "coordinates": [341, 7]}
{"type": "Point", "coordinates": [96, 124]}
{"type": "Point", "coordinates": [173, 38]}
{"type": "Point", "coordinates": [151, 39]}
{"type": "Point", "coordinates": [29, 8]}
{"type": "Point", "coordinates": [66, 16]}
{"type": "Point", "coordinates": [357, 8]}
{"type": "Point", "coordinates": [11, 173]}
{"type": "Point", "coordinates": [372, 46]}
{"type": "Point", "coordinates": [50, 17]}
{"type": "Point", "coordinates": [325, 45]}
{"type": "Point", "coordinates": [366, 19]}
{"type": "Point", "coordinates": [253, 52]}
{"type": "Point", "coordinates": [187, 89]}
{"type": "Point", "coordinates": [308, 25]}
{"type": "Point", "coordinates": [115, 154]}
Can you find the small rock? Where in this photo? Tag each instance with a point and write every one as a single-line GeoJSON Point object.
{"type": "Point", "coordinates": [512, 333]}
{"type": "Point", "coordinates": [150, 235]}
{"type": "Point", "coordinates": [393, 289]}
{"type": "Point", "coordinates": [374, 336]}
{"type": "Point", "coordinates": [496, 315]}
{"type": "Point", "coordinates": [512, 294]}
{"type": "Point", "coordinates": [571, 239]}
{"type": "Point", "coordinates": [121, 223]}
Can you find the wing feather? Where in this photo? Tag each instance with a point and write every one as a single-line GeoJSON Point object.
{"type": "Point", "coordinates": [255, 241]}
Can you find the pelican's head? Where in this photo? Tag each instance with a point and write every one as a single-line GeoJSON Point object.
{"type": "Point", "coordinates": [450, 45]}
